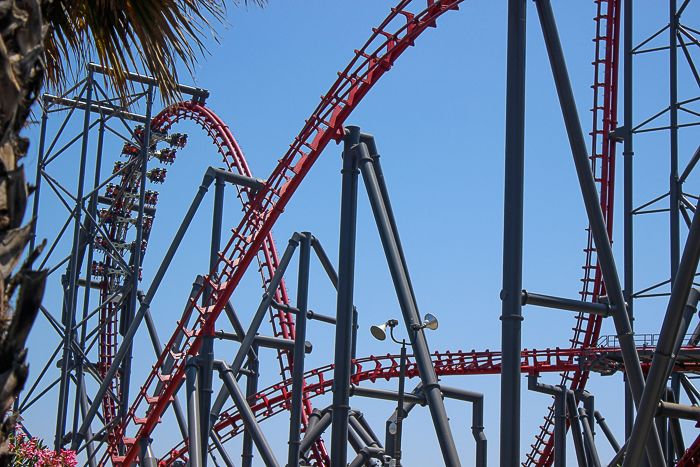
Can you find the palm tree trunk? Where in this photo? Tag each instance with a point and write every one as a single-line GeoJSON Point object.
{"type": "Point", "coordinates": [22, 32]}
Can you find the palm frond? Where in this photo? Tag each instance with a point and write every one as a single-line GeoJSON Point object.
{"type": "Point", "coordinates": [130, 36]}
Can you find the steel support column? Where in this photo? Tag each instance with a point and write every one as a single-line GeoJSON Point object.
{"type": "Point", "coordinates": [299, 351]}
{"type": "Point", "coordinates": [346, 282]}
{"type": "Point", "coordinates": [511, 308]}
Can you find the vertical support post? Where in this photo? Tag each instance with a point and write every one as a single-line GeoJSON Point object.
{"type": "Point", "coordinates": [675, 185]}
{"type": "Point", "coordinates": [576, 429]}
{"type": "Point", "coordinates": [71, 297]}
{"type": "Point", "coordinates": [628, 154]}
{"type": "Point", "coordinates": [560, 421]}
{"type": "Point", "coordinates": [595, 214]}
{"type": "Point", "coordinates": [591, 451]}
{"type": "Point", "coordinates": [346, 281]}
{"type": "Point", "coordinates": [193, 419]}
{"type": "Point", "coordinates": [92, 209]}
{"type": "Point", "coordinates": [299, 351]}
{"type": "Point", "coordinates": [39, 168]}
{"type": "Point", "coordinates": [511, 311]}
{"type": "Point", "coordinates": [206, 351]}
{"type": "Point", "coordinates": [251, 389]}
{"type": "Point", "coordinates": [136, 255]}
{"type": "Point", "coordinates": [399, 407]}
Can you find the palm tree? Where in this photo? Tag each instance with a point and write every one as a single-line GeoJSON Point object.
{"type": "Point", "coordinates": [50, 39]}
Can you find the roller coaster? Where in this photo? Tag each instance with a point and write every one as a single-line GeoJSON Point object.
{"type": "Point", "coordinates": [110, 425]}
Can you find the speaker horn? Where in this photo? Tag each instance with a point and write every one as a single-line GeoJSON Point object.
{"type": "Point", "coordinates": [430, 322]}
{"type": "Point", "coordinates": [379, 332]}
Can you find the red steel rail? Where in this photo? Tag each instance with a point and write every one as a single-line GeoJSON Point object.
{"type": "Point", "coordinates": [326, 124]}
{"type": "Point", "coordinates": [276, 398]}
{"type": "Point", "coordinates": [587, 328]}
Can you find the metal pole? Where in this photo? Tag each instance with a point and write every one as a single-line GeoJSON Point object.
{"type": "Point", "coordinates": [628, 154]}
{"type": "Point", "coordinates": [158, 349]}
{"type": "Point", "coordinates": [251, 390]}
{"type": "Point", "coordinates": [576, 429]}
{"type": "Point", "coordinates": [408, 309]}
{"type": "Point", "coordinates": [595, 215]}
{"type": "Point", "coordinates": [92, 208]}
{"type": "Point", "coordinates": [226, 373]}
{"type": "Point", "coordinates": [606, 431]}
{"type": "Point", "coordinates": [675, 185]}
{"type": "Point", "coordinates": [559, 393]}
{"type": "Point", "coordinates": [511, 309]}
{"type": "Point", "coordinates": [220, 448]}
{"type": "Point", "coordinates": [71, 298]}
{"type": "Point", "coordinates": [193, 418]}
{"type": "Point", "coordinates": [39, 168]}
{"type": "Point", "coordinates": [299, 351]}
{"type": "Point", "coordinates": [207, 348]}
{"type": "Point", "coordinates": [663, 359]}
{"type": "Point", "coordinates": [399, 408]}
{"type": "Point", "coordinates": [593, 458]}
{"type": "Point", "coordinates": [346, 280]}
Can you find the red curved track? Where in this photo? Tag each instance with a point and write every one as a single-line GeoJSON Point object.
{"type": "Point", "coordinates": [252, 234]}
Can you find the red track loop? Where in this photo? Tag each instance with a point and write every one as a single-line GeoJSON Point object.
{"type": "Point", "coordinates": [260, 213]}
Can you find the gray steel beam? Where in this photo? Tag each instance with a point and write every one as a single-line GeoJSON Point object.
{"type": "Point", "coordinates": [226, 373]}
{"type": "Point", "coordinates": [247, 342]}
{"type": "Point", "coordinates": [295, 415]}
{"type": "Point", "coordinates": [628, 195]}
{"type": "Point", "coordinates": [591, 451]}
{"type": "Point", "coordinates": [559, 393]}
{"type": "Point", "coordinates": [664, 358]}
{"type": "Point", "coordinates": [409, 308]}
{"type": "Point", "coordinates": [194, 429]}
{"type": "Point", "coordinates": [595, 215]}
{"type": "Point", "coordinates": [576, 429]}
{"type": "Point", "coordinates": [511, 308]}
{"type": "Point", "coordinates": [312, 434]}
{"type": "Point", "coordinates": [201, 94]}
{"type": "Point", "coordinates": [346, 279]}
{"type": "Point", "coordinates": [250, 391]}
{"type": "Point", "coordinates": [265, 341]}
{"type": "Point", "coordinates": [601, 309]}
{"type": "Point", "coordinates": [99, 108]}
{"type": "Point", "coordinates": [386, 395]}
{"type": "Point", "coordinates": [606, 431]}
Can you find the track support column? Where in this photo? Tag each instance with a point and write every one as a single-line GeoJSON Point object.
{"type": "Point", "coordinates": [511, 308]}
{"type": "Point", "coordinates": [346, 282]}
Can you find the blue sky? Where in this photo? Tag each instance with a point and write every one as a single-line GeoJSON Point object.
{"type": "Point", "coordinates": [438, 119]}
